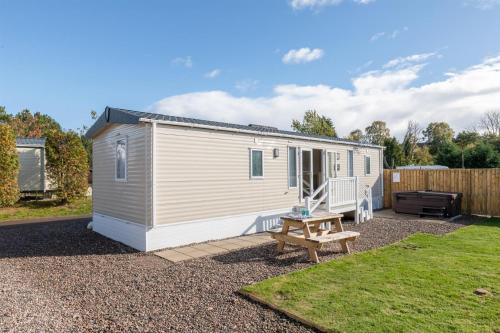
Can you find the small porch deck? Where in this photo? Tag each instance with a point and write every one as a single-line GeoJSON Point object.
{"type": "Point", "coordinates": [341, 195]}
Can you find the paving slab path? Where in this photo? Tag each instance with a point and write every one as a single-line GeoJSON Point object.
{"type": "Point", "coordinates": [61, 277]}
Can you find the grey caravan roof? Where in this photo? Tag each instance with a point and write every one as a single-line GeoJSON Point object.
{"type": "Point", "coordinates": [30, 142]}
{"type": "Point", "coordinates": [122, 116]}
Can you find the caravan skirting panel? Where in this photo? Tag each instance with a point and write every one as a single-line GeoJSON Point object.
{"type": "Point", "coordinates": [128, 233]}
{"type": "Point", "coordinates": [176, 234]}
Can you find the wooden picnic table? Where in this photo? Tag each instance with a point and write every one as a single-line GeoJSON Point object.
{"type": "Point", "coordinates": [307, 232]}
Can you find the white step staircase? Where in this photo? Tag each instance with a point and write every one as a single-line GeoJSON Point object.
{"type": "Point", "coordinates": [340, 195]}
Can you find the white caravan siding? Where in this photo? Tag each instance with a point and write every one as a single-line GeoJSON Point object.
{"type": "Point", "coordinates": [126, 200]}
{"type": "Point", "coordinates": [31, 171]}
{"type": "Point", "coordinates": [204, 174]}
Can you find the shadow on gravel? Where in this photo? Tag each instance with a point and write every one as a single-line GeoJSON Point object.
{"type": "Point", "coordinates": [391, 215]}
{"type": "Point", "coordinates": [268, 255]}
{"type": "Point", "coordinates": [62, 238]}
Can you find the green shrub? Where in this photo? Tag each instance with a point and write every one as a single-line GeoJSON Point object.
{"type": "Point", "coordinates": [67, 165]}
{"type": "Point", "coordinates": [9, 167]}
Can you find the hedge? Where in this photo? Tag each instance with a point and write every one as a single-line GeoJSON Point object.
{"type": "Point", "coordinates": [9, 167]}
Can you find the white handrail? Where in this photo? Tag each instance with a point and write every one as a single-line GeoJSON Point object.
{"type": "Point", "coordinates": [316, 205]}
{"type": "Point", "coordinates": [307, 187]}
{"type": "Point", "coordinates": [319, 189]}
{"type": "Point", "coordinates": [342, 192]}
{"type": "Point", "coordinates": [311, 206]}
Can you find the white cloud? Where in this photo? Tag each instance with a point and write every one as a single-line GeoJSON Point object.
{"type": "Point", "coordinates": [246, 85]}
{"type": "Point", "coordinates": [377, 36]}
{"type": "Point", "coordinates": [363, 67]}
{"type": "Point", "coordinates": [459, 99]}
{"type": "Point", "coordinates": [389, 35]}
{"type": "Point", "coordinates": [315, 4]}
{"type": "Point", "coordinates": [183, 61]}
{"type": "Point", "coordinates": [397, 32]}
{"type": "Point", "coordinates": [482, 4]}
{"type": "Point", "coordinates": [213, 73]}
{"type": "Point", "coordinates": [409, 60]}
{"type": "Point", "coordinates": [379, 81]}
{"type": "Point", "coordinates": [303, 55]}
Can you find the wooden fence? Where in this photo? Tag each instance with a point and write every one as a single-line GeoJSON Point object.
{"type": "Point", "coordinates": [480, 187]}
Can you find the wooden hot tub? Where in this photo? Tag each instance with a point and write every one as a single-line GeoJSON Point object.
{"type": "Point", "coordinates": [427, 203]}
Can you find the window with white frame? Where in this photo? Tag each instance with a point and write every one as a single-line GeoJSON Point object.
{"type": "Point", "coordinates": [368, 165]}
{"type": "Point", "coordinates": [256, 163]}
{"type": "Point", "coordinates": [331, 162]}
{"type": "Point", "coordinates": [350, 163]}
{"type": "Point", "coordinates": [121, 159]}
{"type": "Point", "coordinates": [292, 167]}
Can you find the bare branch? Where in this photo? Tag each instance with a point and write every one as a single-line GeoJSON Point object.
{"type": "Point", "coordinates": [490, 123]}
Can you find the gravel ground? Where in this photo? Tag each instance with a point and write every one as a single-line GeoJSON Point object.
{"type": "Point", "coordinates": [60, 277]}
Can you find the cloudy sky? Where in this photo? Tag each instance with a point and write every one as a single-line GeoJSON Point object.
{"type": "Point", "coordinates": [263, 61]}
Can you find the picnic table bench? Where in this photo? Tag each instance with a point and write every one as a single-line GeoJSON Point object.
{"type": "Point", "coordinates": [307, 232]}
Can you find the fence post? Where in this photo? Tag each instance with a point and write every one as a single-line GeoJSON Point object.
{"type": "Point", "coordinates": [469, 206]}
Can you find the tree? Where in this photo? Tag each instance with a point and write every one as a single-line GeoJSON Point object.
{"type": "Point", "coordinates": [482, 156]}
{"type": "Point", "coordinates": [87, 143]}
{"type": "Point", "coordinates": [9, 167]}
{"type": "Point", "coordinates": [490, 123]}
{"type": "Point", "coordinates": [26, 124]}
{"type": "Point", "coordinates": [494, 141]}
{"type": "Point", "coordinates": [4, 116]}
{"type": "Point", "coordinates": [393, 153]}
{"type": "Point", "coordinates": [449, 155]}
{"type": "Point", "coordinates": [67, 164]}
{"type": "Point", "coordinates": [437, 134]}
{"type": "Point", "coordinates": [377, 133]}
{"type": "Point", "coordinates": [356, 135]}
{"type": "Point", "coordinates": [411, 141]}
{"type": "Point", "coordinates": [464, 140]}
{"type": "Point", "coordinates": [315, 124]}
{"type": "Point", "coordinates": [423, 156]}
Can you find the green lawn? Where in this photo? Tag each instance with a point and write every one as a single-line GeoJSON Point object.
{"type": "Point", "coordinates": [45, 208]}
{"type": "Point", "coordinates": [425, 283]}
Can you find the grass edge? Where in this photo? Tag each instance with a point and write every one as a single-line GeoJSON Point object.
{"type": "Point", "coordinates": [254, 298]}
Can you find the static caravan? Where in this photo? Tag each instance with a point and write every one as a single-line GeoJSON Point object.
{"type": "Point", "coordinates": [162, 181]}
{"type": "Point", "coordinates": [32, 176]}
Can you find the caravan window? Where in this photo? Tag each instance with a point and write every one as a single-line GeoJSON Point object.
{"type": "Point", "coordinates": [368, 166]}
{"type": "Point", "coordinates": [121, 160]}
{"type": "Point", "coordinates": [350, 163]}
{"type": "Point", "coordinates": [292, 167]}
{"type": "Point", "coordinates": [256, 163]}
